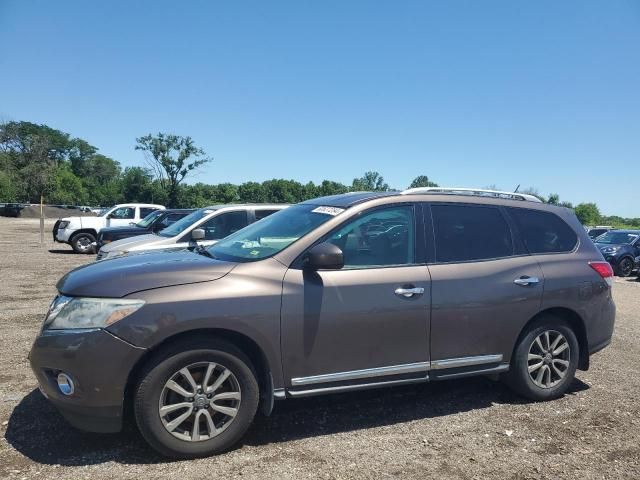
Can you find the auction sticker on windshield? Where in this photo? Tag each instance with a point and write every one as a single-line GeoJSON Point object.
{"type": "Point", "coordinates": [333, 211]}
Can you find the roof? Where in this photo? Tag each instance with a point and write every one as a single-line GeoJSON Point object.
{"type": "Point", "coordinates": [346, 200]}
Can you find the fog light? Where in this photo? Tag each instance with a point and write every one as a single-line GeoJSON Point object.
{"type": "Point", "coordinates": [65, 384]}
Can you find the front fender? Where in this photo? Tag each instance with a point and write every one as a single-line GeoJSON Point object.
{"type": "Point", "coordinates": [245, 302]}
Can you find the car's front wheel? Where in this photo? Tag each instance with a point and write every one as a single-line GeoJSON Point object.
{"type": "Point", "coordinates": [545, 360]}
{"type": "Point", "coordinates": [196, 399]}
{"type": "Point", "coordinates": [83, 242]}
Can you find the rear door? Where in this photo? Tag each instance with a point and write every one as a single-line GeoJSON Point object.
{"type": "Point", "coordinates": [485, 287]}
{"type": "Point", "coordinates": [367, 322]}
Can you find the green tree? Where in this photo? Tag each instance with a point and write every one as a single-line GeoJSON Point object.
{"type": "Point", "coordinates": [371, 181]}
{"type": "Point", "coordinates": [588, 213]}
{"type": "Point", "coordinates": [554, 199]}
{"type": "Point", "coordinates": [422, 181]}
{"type": "Point", "coordinates": [171, 158]}
{"type": "Point", "coordinates": [8, 192]}
{"type": "Point", "coordinates": [327, 187]}
{"type": "Point", "coordinates": [251, 192]}
{"type": "Point", "coordinates": [67, 188]}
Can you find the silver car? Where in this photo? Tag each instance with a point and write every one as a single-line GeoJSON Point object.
{"type": "Point", "coordinates": [217, 221]}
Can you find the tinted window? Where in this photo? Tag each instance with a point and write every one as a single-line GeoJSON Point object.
{"type": "Point", "coordinates": [380, 238]}
{"type": "Point", "coordinates": [224, 225]}
{"type": "Point", "coordinates": [464, 233]}
{"type": "Point", "coordinates": [543, 232]}
{"type": "Point", "coordinates": [181, 225]}
{"type": "Point", "coordinates": [144, 211]}
{"type": "Point", "coordinates": [260, 214]}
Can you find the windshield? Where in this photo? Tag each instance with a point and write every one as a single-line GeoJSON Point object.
{"type": "Point", "coordinates": [104, 211]}
{"type": "Point", "coordinates": [273, 233]}
{"type": "Point", "coordinates": [148, 220]}
{"type": "Point", "coordinates": [185, 222]}
{"type": "Point", "coordinates": [617, 238]}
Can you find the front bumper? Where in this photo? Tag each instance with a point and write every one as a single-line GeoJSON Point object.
{"type": "Point", "coordinates": [62, 235]}
{"type": "Point", "coordinates": [99, 364]}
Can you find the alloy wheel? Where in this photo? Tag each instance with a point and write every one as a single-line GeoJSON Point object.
{"type": "Point", "coordinates": [548, 359]}
{"type": "Point", "coordinates": [199, 401]}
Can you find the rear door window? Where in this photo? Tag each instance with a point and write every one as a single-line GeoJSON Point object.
{"type": "Point", "coordinates": [224, 225]}
{"type": "Point", "coordinates": [260, 214]}
{"type": "Point", "coordinates": [465, 233]}
{"type": "Point", "coordinates": [543, 232]}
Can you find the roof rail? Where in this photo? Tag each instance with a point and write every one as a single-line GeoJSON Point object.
{"type": "Point", "coordinates": [476, 192]}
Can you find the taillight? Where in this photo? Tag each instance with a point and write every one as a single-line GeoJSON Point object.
{"type": "Point", "coordinates": [604, 270]}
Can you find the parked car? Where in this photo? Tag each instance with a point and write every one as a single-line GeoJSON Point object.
{"type": "Point", "coordinates": [81, 232]}
{"type": "Point", "coordinates": [339, 293]}
{"type": "Point", "coordinates": [595, 232]}
{"type": "Point", "coordinates": [621, 248]}
{"type": "Point", "coordinates": [217, 221]}
{"type": "Point", "coordinates": [152, 223]}
{"type": "Point", "coordinates": [11, 209]}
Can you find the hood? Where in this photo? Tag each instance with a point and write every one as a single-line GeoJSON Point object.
{"type": "Point", "coordinates": [131, 242]}
{"type": "Point", "coordinates": [123, 276]}
{"type": "Point", "coordinates": [109, 231]}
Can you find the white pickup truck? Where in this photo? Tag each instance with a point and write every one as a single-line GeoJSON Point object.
{"type": "Point", "coordinates": [81, 232]}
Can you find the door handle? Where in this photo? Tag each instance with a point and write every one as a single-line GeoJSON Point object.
{"type": "Point", "coordinates": [409, 292]}
{"type": "Point", "coordinates": [525, 281]}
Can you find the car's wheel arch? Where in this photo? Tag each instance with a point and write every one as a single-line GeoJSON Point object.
{"type": "Point", "coordinates": [576, 323]}
{"type": "Point", "coordinates": [245, 344]}
{"type": "Point", "coordinates": [90, 231]}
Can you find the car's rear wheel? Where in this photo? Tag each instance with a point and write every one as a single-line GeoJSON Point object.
{"type": "Point", "coordinates": [625, 267]}
{"type": "Point", "coordinates": [196, 399]}
{"type": "Point", "coordinates": [83, 242]}
{"type": "Point", "coordinates": [545, 360]}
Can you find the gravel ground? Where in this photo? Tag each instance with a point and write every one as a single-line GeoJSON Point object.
{"type": "Point", "coordinates": [465, 429]}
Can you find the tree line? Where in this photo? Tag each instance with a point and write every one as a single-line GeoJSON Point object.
{"type": "Point", "coordinates": [37, 161]}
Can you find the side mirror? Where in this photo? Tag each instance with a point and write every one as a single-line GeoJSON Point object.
{"type": "Point", "coordinates": [324, 256]}
{"type": "Point", "coordinates": [197, 234]}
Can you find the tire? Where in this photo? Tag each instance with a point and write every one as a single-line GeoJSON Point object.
{"type": "Point", "coordinates": [152, 393]}
{"type": "Point", "coordinates": [81, 242]}
{"type": "Point", "coordinates": [624, 267]}
{"type": "Point", "coordinates": [551, 385]}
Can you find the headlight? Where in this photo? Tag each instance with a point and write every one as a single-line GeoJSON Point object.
{"type": "Point", "coordinates": [81, 312]}
{"type": "Point", "coordinates": [63, 224]}
{"type": "Point", "coordinates": [610, 249]}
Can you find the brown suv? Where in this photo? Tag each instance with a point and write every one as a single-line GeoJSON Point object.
{"type": "Point", "coordinates": [338, 293]}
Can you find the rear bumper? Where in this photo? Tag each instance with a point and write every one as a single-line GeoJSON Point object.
{"type": "Point", "coordinates": [99, 365]}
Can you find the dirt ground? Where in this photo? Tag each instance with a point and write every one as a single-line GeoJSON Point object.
{"type": "Point", "coordinates": [467, 429]}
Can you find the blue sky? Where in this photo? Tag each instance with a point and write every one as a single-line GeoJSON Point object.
{"type": "Point", "coordinates": [471, 93]}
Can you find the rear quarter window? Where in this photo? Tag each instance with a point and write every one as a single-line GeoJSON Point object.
{"type": "Point", "coordinates": [543, 232]}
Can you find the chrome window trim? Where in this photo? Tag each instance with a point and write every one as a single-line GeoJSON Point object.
{"type": "Point", "coordinates": [365, 373]}
{"type": "Point", "coordinates": [465, 361]}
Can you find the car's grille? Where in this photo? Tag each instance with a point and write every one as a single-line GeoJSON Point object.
{"type": "Point", "coordinates": [55, 229]}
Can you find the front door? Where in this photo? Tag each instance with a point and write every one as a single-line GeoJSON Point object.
{"type": "Point", "coordinates": [367, 322]}
{"type": "Point", "coordinates": [121, 216]}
